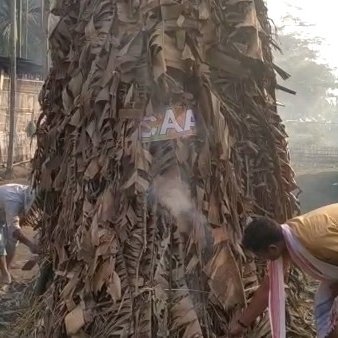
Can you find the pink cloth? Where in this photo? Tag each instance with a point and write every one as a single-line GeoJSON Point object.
{"type": "Point", "coordinates": [324, 302]}
{"type": "Point", "coordinates": [277, 299]}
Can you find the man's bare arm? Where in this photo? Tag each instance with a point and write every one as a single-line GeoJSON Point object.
{"type": "Point", "coordinates": [258, 304]}
{"type": "Point", "coordinates": [260, 300]}
{"type": "Point", "coordinates": [22, 238]}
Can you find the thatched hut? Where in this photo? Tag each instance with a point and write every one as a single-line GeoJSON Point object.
{"type": "Point", "coordinates": [159, 137]}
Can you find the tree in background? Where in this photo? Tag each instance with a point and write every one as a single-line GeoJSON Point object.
{"type": "Point", "coordinates": [313, 80]}
{"type": "Point", "coordinates": [30, 35]}
{"type": "Point", "coordinates": [308, 114]}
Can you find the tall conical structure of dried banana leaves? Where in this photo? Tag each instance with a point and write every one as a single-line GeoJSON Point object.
{"type": "Point", "coordinates": [144, 233]}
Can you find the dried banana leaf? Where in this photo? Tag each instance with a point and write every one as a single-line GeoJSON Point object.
{"type": "Point", "coordinates": [144, 236]}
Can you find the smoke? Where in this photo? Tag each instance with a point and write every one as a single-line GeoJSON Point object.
{"type": "Point", "coordinates": [175, 195]}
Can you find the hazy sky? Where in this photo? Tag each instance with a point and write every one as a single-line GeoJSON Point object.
{"type": "Point", "coordinates": [321, 15]}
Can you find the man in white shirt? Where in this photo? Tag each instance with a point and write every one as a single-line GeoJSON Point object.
{"type": "Point", "coordinates": [15, 201]}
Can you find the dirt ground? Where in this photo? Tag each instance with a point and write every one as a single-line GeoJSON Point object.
{"type": "Point", "coordinates": [318, 189]}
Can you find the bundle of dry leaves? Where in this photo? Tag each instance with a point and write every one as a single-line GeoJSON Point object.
{"type": "Point", "coordinates": [144, 236]}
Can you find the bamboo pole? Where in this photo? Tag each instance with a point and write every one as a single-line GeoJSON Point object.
{"type": "Point", "coordinates": [26, 29]}
{"type": "Point", "coordinates": [19, 40]}
{"type": "Point", "coordinates": [44, 24]}
{"type": "Point", "coordinates": [10, 152]}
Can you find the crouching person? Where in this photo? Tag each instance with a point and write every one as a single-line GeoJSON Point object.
{"type": "Point", "coordinates": [310, 242]}
{"type": "Point", "coordinates": [15, 201]}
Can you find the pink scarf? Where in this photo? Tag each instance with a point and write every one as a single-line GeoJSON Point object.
{"type": "Point", "coordinates": [317, 269]}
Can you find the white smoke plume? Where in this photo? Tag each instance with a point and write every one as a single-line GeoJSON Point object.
{"type": "Point", "coordinates": [174, 194]}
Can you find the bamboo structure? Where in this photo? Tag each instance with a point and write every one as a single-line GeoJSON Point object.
{"type": "Point", "coordinates": [144, 233]}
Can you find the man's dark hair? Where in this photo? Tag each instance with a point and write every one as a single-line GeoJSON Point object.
{"type": "Point", "coordinates": [261, 233]}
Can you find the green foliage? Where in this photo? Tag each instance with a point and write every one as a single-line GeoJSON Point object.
{"type": "Point", "coordinates": [314, 81]}
{"type": "Point", "coordinates": [311, 115]}
{"type": "Point", "coordinates": [33, 42]}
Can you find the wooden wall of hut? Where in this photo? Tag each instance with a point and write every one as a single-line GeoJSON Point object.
{"type": "Point", "coordinates": [28, 109]}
